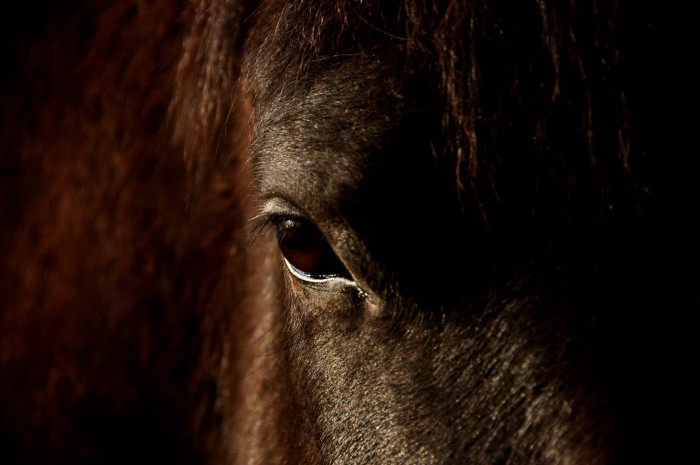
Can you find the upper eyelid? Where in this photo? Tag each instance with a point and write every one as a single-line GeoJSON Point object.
{"type": "Point", "coordinates": [275, 209]}
{"type": "Point", "coordinates": [277, 205]}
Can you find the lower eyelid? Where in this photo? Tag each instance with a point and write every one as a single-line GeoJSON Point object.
{"type": "Point", "coordinates": [303, 276]}
{"type": "Point", "coordinates": [311, 279]}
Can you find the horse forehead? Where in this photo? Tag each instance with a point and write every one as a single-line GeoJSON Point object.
{"type": "Point", "coordinates": [316, 140]}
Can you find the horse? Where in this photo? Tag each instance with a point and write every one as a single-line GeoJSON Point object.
{"type": "Point", "coordinates": [342, 232]}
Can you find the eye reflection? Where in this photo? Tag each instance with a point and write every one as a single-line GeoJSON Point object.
{"type": "Point", "coordinates": [306, 252]}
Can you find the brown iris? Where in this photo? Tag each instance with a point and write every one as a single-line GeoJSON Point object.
{"type": "Point", "coordinates": [305, 249]}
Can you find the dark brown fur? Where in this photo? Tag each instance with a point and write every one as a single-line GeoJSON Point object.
{"type": "Point", "coordinates": [138, 324]}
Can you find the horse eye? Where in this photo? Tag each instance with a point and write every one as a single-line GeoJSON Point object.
{"type": "Point", "coordinates": [308, 255]}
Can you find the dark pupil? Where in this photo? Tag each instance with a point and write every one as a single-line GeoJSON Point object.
{"type": "Point", "coordinates": [306, 250]}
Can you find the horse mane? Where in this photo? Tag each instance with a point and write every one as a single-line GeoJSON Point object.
{"type": "Point", "coordinates": [115, 291]}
